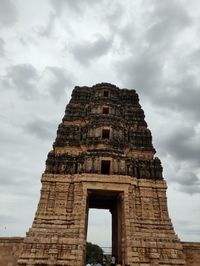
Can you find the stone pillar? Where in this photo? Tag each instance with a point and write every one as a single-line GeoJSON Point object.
{"type": "Point", "coordinates": [116, 212]}
{"type": "Point", "coordinates": [114, 231]}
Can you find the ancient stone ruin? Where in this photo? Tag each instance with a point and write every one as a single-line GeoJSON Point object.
{"type": "Point", "coordinates": [103, 157]}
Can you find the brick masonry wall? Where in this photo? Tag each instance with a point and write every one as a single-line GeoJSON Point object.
{"type": "Point", "coordinates": [192, 253]}
{"type": "Point", "coordinates": [10, 248]}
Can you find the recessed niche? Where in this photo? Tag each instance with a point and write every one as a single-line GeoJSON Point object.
{"type": "Point", "coordinates": [105, 133]}
{"type": "Point", "coordinates": [105, 93]}
{"type": "Point", "coordinates": [105, 110]}
{"type": "Point", "coordinates": [105, 167]}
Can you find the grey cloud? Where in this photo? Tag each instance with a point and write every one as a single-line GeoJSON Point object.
{"type": "Point", "coordinates": [41, 128]}
{"type": "Point", "coordinates": [169, 18]}
{"type": "Point", "coordinates": [21, 78]}
{"type": "Point", "coordinates": [128, 35]}
{"type": "Point", "coordinates": [188, 179]}
{"type": "Point", "coordinates": [144, 71]}
{"type": "Point", "coordinates": [60, 5]}
{"type": "Point", "coordinates": [113, 15]}
{"type": "Point", "coordinates": [7, 179]}
{"type": "Point", "coordinates": [48, 29]}
{"type": "Point", "coordinates": [57, 5]}
{"type": "Point", "coordinates": [24, 79]}
{"type": "Point", "coordinates": [77, 5]}
{"type": "Point", "coordinates": [161, 23]}
{"type": "Point", "coordinates": [192, 231]}
{"type": "Point", "coordinates": [192, 189]}
{"type": "Point", "coordinates": [7, 219]}
{"type": "Point", "coordinates": [183, 96]}
{"type": "Point", "coordinates": [194, 57]}
{"type": "Point", "coordinates": [183, 144]}
{"type": "Point", "coordinates": [18, 172]}
{"type": "Point", "coordinates": [87, 51]}
{"type": "Point", "coordinates": [149, 52]}
{"type": "Point", "coordinates": [15, 176]}
{"type": "Point", "coordinates": [59, 80]}
{"type": "Point", "coordinates": [188, 227]}
{"type": "Point", "coordinates": [8, 13]}
{"type": "Point", "coordinates": [17, 181]}
{"type": "Point", "coordinates": [181, 93]}
{"type": "Point", "coordinates": [183, 147]}
{"type": "Point", "coordinates": [188, 95]}
{"type": "Point", "coordinates": [2, 44]}
{"type": "Point", "coordinates": [188, 182]}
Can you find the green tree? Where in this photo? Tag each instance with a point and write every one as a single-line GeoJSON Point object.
{"type": "Point", "coordinates": [94, 253]}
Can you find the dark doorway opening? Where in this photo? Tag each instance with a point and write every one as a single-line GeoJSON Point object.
{"type": "Point", "coordinates": [105, 110]}
{"type": "Point", "coordinates": [105, 133]}
{"type": "Point", "coordinates": [106, 93]}
{"type": "Point", "coordinates": [105, 167]}
{"type": "Point", "coordinates": [112, 201]}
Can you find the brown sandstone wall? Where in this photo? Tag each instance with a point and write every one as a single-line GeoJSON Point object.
{"type": "Point", "coordinates": [192, 253]}
{"type": "Point", "coordinates": [10, 247]}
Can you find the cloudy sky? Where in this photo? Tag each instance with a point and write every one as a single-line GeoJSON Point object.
{"type": "Point", "coordinates": [47, 47]}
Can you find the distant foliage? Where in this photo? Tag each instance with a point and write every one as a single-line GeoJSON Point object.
{"type": "Point", "coordinates": [94, 253]}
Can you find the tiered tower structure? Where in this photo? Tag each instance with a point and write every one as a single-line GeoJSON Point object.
{"type": "Point", "coordinates": [103, 157]}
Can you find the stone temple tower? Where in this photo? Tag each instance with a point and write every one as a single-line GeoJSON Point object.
{"type": "Point", "coordinates": [102, 157]}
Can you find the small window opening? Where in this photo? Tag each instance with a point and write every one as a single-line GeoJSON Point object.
{"type": "Point", "coordinates": [81, 134]}
{"type": "Point", "coordinates": [106, 93]}
{"type": "Point", "coordinates": [105, 133]}
{"type": "Point", "coordinates": [106, 110]}
{"type": "Point", "coordinates": [105, 167]}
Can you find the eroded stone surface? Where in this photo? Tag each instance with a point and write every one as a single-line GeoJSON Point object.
{"type": "Point", "coordinates": [10, 248]}
{"type": "Point", "coordinates": [103, 144]}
